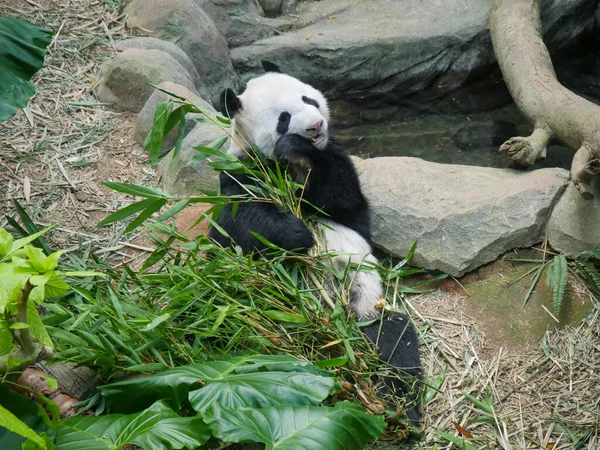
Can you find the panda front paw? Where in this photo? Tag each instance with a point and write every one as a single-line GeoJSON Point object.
{"type": "Point", "coordinates": [297, 235]}
{"type": "Point", "coordinates": [290, 147]}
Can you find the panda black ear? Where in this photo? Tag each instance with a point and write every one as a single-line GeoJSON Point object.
{"type": "Point", "coordinates": [230, 103]}
{"type": "Point", "coordinates": [270, 67]}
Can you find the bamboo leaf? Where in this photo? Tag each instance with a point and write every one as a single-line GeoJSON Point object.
{"type": "Point", "coordinates": [534, 282]}
{"type": "Point", "coordinates": [560, 274]}
{"type": "Point", "coordinates": [151, 209]}
{"type": "Point", "coordinates": [135, 190]}
{"type": "Point", "coordinates": [173, 210]}
{"type": "Point", "coordinates": [126, 212]}
{"type": "Point", "coordinates": [31, 228]}
{"type": "Point", "coordinates": [459, 442]}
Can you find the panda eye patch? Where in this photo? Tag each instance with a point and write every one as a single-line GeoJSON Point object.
{"type": "Point", "coordinates": [283, 124]}
{"type": "Point", "coordinates": [310, 101]}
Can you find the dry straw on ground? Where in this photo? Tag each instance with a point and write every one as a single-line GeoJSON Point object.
{"type": "Point", "coordinates": [54, 157]}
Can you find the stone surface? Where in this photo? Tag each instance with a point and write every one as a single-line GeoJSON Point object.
{"type": "Point", "coordinates": [493, 294]}
{"type": "Point", "coordinates": [181, 178]}
{"type": "Point", "coordinates": [575, 223]}
{"type": "Point", "coordinates": [343, 46]}
{"type": "Point", "coordinates": [186, 24]}
{"type": "Point", "coordinates": [124, 79]}
{"type": "Point", "coordinates": [462, 216]}
{"type": "Point", "coordinates": [271, 8]}
{"type": "Point", "coordinates": [145, 118]}
{"type": "Point", "coordinates": [148, 43]}
{"type": "Point", "coordinates": [243, 22]}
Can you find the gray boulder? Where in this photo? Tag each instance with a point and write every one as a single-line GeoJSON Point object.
{"type": "Point", "coordinates": [179, 177]}
{"type": "Point", "coordinates": [575, 223]}
{"type": "Point", "coordinates": [124, 79]}
{"type": "Point", "coordinates": [186, 24]}
{"type": "Point", "coordinates": [243, 22]}
{"type": "Point", "coordinates": [145, 118]}
{"type": "Point", "coordinates": [462, 216]}
{"type": "Point", "coordinates": [148, 43]}
{"type": "Point", "coordinates": [345, 46]}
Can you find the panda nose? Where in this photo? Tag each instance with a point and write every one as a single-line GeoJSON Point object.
{"type": "Point", "coordinates": [316, 128]}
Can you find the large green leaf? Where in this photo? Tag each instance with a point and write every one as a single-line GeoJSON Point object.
{"type": "Point", "coordinates": [262, 389]}
{"type": "Point", "coordinates": [20, 418]}
{"type": "Point", "coordinates": [174, 384]}
{"type": "Point", "coordinates": [22, 50]}
{"type": "Point", "coordinates": [344, 427]}
{"type": "Point", "coordinates": [156, 428]}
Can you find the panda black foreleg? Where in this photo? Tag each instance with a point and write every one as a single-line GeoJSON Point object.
{"type": "Point", "coordinates": [398, 344]}
{"type": "Point", "coordinates": [284, 230]}
{"type": "Point", "coordinates": [295, 149]}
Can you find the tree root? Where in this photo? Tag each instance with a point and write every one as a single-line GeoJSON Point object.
{"type": "Point", "coordinates": [557, 113]}
{"type": "Point", "coordinates": [584, 168]}
{"type": "Point", "coordinates": [525, 151]}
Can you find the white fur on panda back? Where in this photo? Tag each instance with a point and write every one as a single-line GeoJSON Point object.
{"type": "Point", "coordinates": [347, 246]}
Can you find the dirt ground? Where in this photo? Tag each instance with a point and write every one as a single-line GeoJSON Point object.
{"type": "Point", "coordinates": [54, 159]}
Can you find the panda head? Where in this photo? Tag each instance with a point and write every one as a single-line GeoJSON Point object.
{"type": "Point", "coordinates": [272, 105]}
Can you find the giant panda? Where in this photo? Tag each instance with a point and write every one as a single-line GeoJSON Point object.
{"type": "Point", "coordinates": [288, 120]}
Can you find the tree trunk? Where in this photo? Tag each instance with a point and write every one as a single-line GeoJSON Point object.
{"type": "Point", "coordinates": [556, 113]}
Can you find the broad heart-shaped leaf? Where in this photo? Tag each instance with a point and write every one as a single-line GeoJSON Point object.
{"type": "Point", "coordinates": [262, 389]}
{"type": "Point", "coordinates": [343, 427]}
{"type": "Point", "coordinates": [174, 384]}
{"type": "Point", "coordinates": [22, 50]}
{"type": "Point", "coordinates": [29, 420]}
{"type": "Point", "coordinates": [156, 428]}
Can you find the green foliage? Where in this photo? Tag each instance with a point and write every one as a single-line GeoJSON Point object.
{"type": "Point", "coordinates": [156, 428]}
{"type": "Point", "coordinates": [23, 420]}
{"type": "Point", "coordinates": [342, 427]}
{"type": "Point", "coordinates": [27, 277]}
{"type": "Point", "coordinates": [22, 50]}
{"type": "Point", "coordinates": [275, 400]}
{"type": "Point", "coordinates": [586, 266]}
{"type": "Point", "coordinates": [246, 381]}
{"type": "Point", "coordinates": [187, 406]}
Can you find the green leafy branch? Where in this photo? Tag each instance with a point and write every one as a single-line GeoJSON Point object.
{"type": "Point", "coordinates": [27, 276]}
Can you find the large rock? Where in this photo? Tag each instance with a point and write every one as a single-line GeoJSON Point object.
{"type": "Point", "coordinates": [124, 80]}
{"type": "Point", "coordinates": [243, 22]}
{"type": "Point", "coordinates": [148, 43]}
{"type": "Point", "coordinates": [575, 223]}
{"type": "Point", "coordinates": [461, 216]}
{"type": "Point", "coordinates": [186, 24]}
{"type": "Point", "coordinates": [383, 45]}
{"type": "Point", "coordinates": [179, 177]}
{"type": "Point", "coordinates": [145, 118]}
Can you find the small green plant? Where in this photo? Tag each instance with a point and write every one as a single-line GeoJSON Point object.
{"type": "Point", "coordinates": [27, 277]}
{"type": "Point", "coordinates": [586, 266]}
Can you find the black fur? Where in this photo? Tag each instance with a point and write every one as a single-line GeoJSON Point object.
{"type": "Point", "coordinates": [283, 124]}
{"type": "Point", "coordinates": [270, 67]}
{"type": "Point", "coordinates": [397, 329]}
{"type": "Point", "coordinates": [310, 101]}
{"type": "Point", "coordinates": [332, 187]}
{"type": "Point", "coordinates": [230, 103]}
